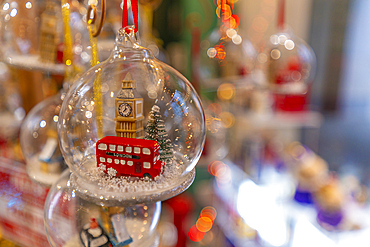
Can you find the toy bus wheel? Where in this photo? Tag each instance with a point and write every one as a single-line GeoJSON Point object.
{"type": "Point", "coordinates": [147, 176]}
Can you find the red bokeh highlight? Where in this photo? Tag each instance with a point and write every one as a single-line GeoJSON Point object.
{"type": "Point", "coordinates": [195, 235]}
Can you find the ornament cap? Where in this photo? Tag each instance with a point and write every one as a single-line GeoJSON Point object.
{"type": "Point", "coordinates": [127, 46]}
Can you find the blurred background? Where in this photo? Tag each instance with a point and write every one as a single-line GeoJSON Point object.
{"type": "Point", "coordinates": [284, 86]}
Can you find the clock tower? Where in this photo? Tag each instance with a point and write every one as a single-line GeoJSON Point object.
{"type": "Point", "coordinates": [129, 111]}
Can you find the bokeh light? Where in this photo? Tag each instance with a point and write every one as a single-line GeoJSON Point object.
{"type": "Point", "coordinates": [204, 224]}
{"type": "Point", "coordinates": [227, 119]}
{"type": "Point", "coordinates": [195, 235]}
{"type": "Point", "coordinates": [226, 91]}
{"type": "Point", "coordinates": [209, 212]}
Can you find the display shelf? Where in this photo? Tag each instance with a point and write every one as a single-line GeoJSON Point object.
{"type": "Point", "coordinates": [33, 62]}
{"type": "Point", "coordinates": [281, 120]}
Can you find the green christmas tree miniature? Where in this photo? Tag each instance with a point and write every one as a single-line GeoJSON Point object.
{"type": "Point", "coordinates": [155, 130]}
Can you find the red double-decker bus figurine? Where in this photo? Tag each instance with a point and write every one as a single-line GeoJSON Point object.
{"type": "Point", "coordinates": [120, 156]}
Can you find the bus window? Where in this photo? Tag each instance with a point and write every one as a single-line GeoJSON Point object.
{"type": "Point", "coordinates": [109, 160]}
{"type": "Point", "coordinates": [112, 147]}
{"type": "Point", "coordinates": [120, 148]}
{"type": "Point", "coordinates": [128, 149]}
{"type": "Point", "coordinates": [116, 161]}
{"type": "Point", "coordinates": [136, 150]}
{"type": "Point", "coordinates": [122, 162]}
{"type": "Point", "coordinates": [102, 146]}
{"type": "Point", "coordinates": [146, 165]}
{"type": "Point", "coordinates": [102, 159]}
{"type": "Point", "coordinates": [130, 163]}
{"type": "Point", "coordinates": [146, 151]}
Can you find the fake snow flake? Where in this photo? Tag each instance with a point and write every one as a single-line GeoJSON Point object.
{"type": "Point", "coordinates": [155, 108]}
{"type": "Point", "coordinates": [102, 167]}
{"type": "Point", "coordinates": [112, 172]}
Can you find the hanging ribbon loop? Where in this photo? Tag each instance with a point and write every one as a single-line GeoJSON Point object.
{"type": "Point", "coordinates": [91, 20]}
{"type": "Point", "coordinates": [135, 14]}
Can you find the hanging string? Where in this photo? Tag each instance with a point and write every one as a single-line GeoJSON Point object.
{"type": "Point", "coordinates": [281, 15]}
{"type": "Point", "coordinates": [67, 52]}
{"type": "Point", "coordinates": [94, 61]}
{"type": "Point", "coordinates": [135, 14]}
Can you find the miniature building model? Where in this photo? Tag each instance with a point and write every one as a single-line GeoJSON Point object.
{"type": "Point", "coordinates": [129, 111]}
{"type": "Point", "coordinates": [48, 34]}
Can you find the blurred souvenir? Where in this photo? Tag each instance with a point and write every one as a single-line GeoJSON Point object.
{"type": "Point", "coordinates": [290, 66]}
{"type": "Point", "coordinates": [226, 53]}
{"type": "Point", "coordinates": [330, 200]}
{"type": "Point", "coordinates": [40, 143]}
{"type": "Point", "coordinates": [11, 115]}
{"type": "Point", "coordinates": [310, 170]}
{"type": "Point", "coordinates": [33, 37]}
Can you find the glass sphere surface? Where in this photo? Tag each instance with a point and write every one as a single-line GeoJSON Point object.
{"type": "Point", "coordinates": [39, 141]}
{"type": "Point", "coordinates": [84, 119]}
{"type": "Point", "coordinates": [226, 54]}
{"type": "Point", "coordinates": [68, 218]}
{"type": "Point", "coordinates": [291, 64]}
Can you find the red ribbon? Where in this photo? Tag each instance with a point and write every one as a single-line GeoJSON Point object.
{"type": "Point", "coordinates": [135, 14]}
{"type": "Point", "coordinates": [281, 14]}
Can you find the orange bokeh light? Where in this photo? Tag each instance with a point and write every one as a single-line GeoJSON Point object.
{"type": "Point", "coordinates": [221, 52]}
{"type": "Point", "coordinates": [226, 11]}
{"type": "Point", "coordinates": [213, 167]}
{"type": "Point", "coordinates": [195, 235]}
{"type": "Point", "coordinates": [209, 212]}
{"type": "Point", "coordinates": [204, 224]}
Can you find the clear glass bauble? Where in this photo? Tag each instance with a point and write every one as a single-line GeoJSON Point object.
{"type": "Point", "coordinates": [226, 54]}
{"type": "Point", "coordinates": [71, 220]}
{"type": "Point", "coordinates": [11, 114]}
{"type": "Point", "coordinates": [290, 64]}
{"type": "Point", "coordinates": [39, 141]}
{"type": "Point", "coordinates": [84, 119]}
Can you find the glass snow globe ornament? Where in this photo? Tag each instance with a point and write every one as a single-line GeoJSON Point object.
{"type": "Point", "coordinates": [73, 221]}
{"type": "Point", "coordinates": [131, 95]}
{"type": "Point", "coordinates": [39, 141]}
{"type": "Point", "coordinates": [131, 131]}
{"type": "Point", "coordinates": [226, 54]}
{"type": "Point", "coordinates": [290, 70]}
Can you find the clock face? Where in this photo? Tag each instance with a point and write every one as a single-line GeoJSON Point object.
{"type": "Point", "coordinates": [124, 109]}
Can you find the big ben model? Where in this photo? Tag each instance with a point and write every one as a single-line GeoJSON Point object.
{"type": "Point", "coordinates": [129, 111]}
{"type": "Point", "coordinates": [48, 33]}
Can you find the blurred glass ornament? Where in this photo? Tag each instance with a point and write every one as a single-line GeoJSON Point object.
{"type": "Point", "coordinates": [11, 115]}
{"type": "Point", "coordinates": [90, 109]}
{"type": "Point", "coordinates": [32, 34]}
{"type": "Point", "coordinates": [226, 54]}
{"type": "Point", "coordinates": [33, 37]}
{"type": "Point", "coordinates": [72, 221]}
{"type": "Point", "coordinates": [291, 64]}
{"type": "Point", "coordinates": [39, 141]}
